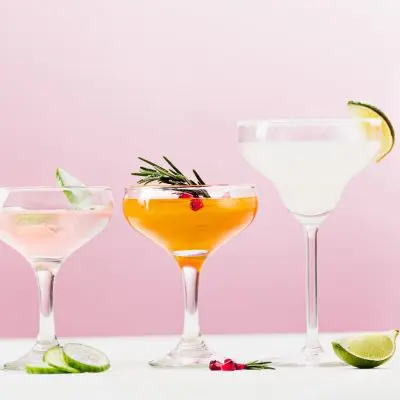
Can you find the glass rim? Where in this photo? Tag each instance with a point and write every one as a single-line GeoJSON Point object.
{"type": "Point", "coordinates": [165, 187]}
{"type": "Point", "coordinates": [306, 121]}
{"type": "Point", "coordinates": [52, 188]}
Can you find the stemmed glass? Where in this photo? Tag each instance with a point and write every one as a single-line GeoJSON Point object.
{"type": "Point", "coordinates": [46, 228]}
{"type": "Point", "coordinates": [190, 222]}
{"type": "Point", "coordinates": [310, 162]}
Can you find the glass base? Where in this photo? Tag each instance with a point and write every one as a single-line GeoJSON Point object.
{"type": "Point", "coordinates": [33, 357]}
{"type": "Point", "coordinates": [308, 358]}
{"type": "Point", "coordinates": [188, 353]}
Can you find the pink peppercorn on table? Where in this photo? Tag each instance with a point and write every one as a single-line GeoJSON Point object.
{"type": "Point", "coordinates": [130, 376]}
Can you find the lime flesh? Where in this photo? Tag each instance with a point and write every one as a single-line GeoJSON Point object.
{"type": "Point", "coordinates": [366, 351]}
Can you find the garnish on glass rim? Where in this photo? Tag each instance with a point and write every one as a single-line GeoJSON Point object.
{"type": "Point", "coordinates": [230, 365]}
{"type": "Point", "coordinates": [174, 177]}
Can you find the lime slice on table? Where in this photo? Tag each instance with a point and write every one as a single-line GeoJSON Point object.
{"type": "Point", "coordinates": [55, 358]}
{"type": "Point", "coordinates": [80, 198]}
{"type": "Point", "coordinates": [85, 358]}
{"type": "Point", "coordinates": [366, 351]}
{"type": "Point", "coordinates": [42, 368]}
{"type": "Point", "coordinates": [363, 110]}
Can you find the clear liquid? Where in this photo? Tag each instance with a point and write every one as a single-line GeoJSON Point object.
{"type": "Point", "coordinates": [310, 176]}
{"type": "Point", "coordinates": [50, 234]}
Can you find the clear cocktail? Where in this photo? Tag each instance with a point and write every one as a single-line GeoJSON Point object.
{"type": "Point", "coordinates": [310, 163]}
{"type": "Point", "coordinates": [310, 175]}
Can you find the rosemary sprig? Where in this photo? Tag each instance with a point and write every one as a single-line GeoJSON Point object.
{"type": "Point", "coordinates": [169, 176]}
{"type": "Point", "coordinates": [257, 365]}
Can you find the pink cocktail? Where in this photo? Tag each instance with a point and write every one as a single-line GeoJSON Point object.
{"type": "Point", "coordinates": [43, 226]}
{"type": "Point", "coordinates": [40, 234]}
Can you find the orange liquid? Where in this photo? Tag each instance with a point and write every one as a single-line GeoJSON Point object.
{"type": "Point", "coordinates": [175, 226]}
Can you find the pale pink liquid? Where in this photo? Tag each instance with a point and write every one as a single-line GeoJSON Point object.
{"type": "Point", "coordinates": [50, 234]}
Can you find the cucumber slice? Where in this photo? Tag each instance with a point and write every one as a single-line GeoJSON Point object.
{"type": "Point", "coordinates": [42, 368]}
{"type": "Point", "coordinates": [85, 358]}
{"type": "Point", "coordinates": [55, 358]}
{"type": "Point", "coordinates": [25, 218]}
{"type": "Point", "coordinates": [80, 198]}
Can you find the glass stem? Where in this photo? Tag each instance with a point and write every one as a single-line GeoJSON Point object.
{"type": "Point", "coordinates": [191, 327]}
{"type": "Point", "coordinates": [312, 345]}
{"type": "Point", "coordinates": [45, 273]}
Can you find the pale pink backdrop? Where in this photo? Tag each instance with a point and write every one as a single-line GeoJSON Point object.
{"type": "Point", "coordinates": [89, 85]}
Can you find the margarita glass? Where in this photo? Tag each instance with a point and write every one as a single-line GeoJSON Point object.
{"type": "Point", "coordinates": [190, 222]}
{"type": "Point", "coordinates": [310, 162]}
{"type": "Point", "coordinates": [44, 227]}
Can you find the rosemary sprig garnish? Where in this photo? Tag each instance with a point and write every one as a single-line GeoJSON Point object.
{"type": "Point", "coordinates": [169, 176]}
{"type": "Point", "coordinates": [257, 365]}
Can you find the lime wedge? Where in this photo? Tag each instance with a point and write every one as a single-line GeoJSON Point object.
{"type": "Point", "coordinates": [55, 358]}
{"type": "Point", "coordinates": [42, 368]}
{"type": "Point", "coordinates": [363, 110]}
{"type": "Point", "coordinates": [85, 358]}
{"type": "Point", "coordinates": [366, 351]}
{"type": "Point", "coordinates": [80, 198]}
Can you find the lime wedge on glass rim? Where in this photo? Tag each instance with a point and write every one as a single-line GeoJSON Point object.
{"type": "Point", "coordinates": [80, 198]}
{"type": "Point", "coordinates": [363, 110]}
{"type": "Point", "coordinates": [85, 358]}
{"type": "Point", "coordinates": [368, 350]}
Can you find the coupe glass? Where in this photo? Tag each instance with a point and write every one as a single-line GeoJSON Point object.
{"type": "Point", "coordinates": [43, 226]}
{"type": "Point", "coordinates": [190, 222]}
{"type": "Point", "coordinates": [310, 163]}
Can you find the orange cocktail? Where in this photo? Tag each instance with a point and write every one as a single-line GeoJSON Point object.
{"type": "Point", "coordinates": [190, 235]}
{"type": "Point", "coordinates": [190, 222]}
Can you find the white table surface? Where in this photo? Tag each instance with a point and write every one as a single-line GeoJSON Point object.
{"type": "Point", "coordinates": [131, 378]}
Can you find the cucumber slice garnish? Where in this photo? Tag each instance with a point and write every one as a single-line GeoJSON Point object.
{"type": "Point", "coordinates": [80, 198]}
{"type": "Point", "coordinates": [55, 358]}
{"type": "Point", "coordinates": [42, 368]}
{"type": "Point", "coordinates": [85, 358]}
